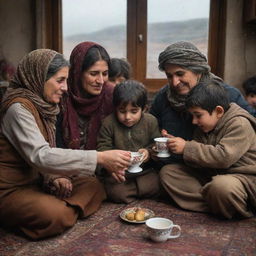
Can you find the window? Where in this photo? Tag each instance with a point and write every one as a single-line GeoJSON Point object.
{"type": "Point", "coordinates": [145, 28]}
{"type": "Point", "coordinates": [100, 21]}
{"type": "Point", "coordinates": [134, 29]}
{"type": "Point", "coordinates": [169, 21]}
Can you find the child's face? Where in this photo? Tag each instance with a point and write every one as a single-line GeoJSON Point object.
{"type": "Point", "coordinates": [204, 120]}
{"type": "Point", "coordinates": [251, 98]}
{"type": "Point", "coordinates": [128, 115]}
{"type": "Point", "coordinates": [116, 80]}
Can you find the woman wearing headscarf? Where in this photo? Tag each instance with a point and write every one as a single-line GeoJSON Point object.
{"type": "Point", "coordinates": [28, 153]}
{"type": "Point", "coordinates": [89, 97]}
{"type": "Point", "coordinates": [185, 66]}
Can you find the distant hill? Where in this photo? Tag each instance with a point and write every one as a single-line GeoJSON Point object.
{"type": "Point", "coordinates": [160, 35]}
{"type": "Point", "coordinates": [161, 32]}
{"type": "Point", "coordinates": [177, 31]}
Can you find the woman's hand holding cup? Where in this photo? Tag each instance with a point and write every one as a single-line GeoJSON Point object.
{"type": "Point", "coordinates": [116, 162]}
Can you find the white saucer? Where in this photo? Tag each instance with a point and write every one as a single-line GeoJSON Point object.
{"type": "Point", "coordinates": [163, 154]}
{"type": "Point", "coordinates": [135, 170]}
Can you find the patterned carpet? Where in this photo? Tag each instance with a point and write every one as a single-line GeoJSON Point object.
{"type": "Point", "coordinates": [105, 234]}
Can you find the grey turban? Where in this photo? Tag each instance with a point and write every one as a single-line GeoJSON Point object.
{"type": "Point", "coordinates": [186, 55]}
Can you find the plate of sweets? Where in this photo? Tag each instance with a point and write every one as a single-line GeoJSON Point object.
{"type": "Point", "coordinates": [136, 215]}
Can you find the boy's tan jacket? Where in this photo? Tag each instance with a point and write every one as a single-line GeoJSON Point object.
{"type": "Point", "coordinates": [231, 146]}
{"type": "Point", "coordinates": [229, 149]}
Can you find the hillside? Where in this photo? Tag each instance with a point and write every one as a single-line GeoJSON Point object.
{"type": "Point", "coordinates": [160, 35]}
{"type": "Point", "coordinates": [160, 32]}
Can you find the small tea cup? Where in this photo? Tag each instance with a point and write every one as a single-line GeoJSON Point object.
{"type": "Point", "coordinates": [160, 229]}
{"type": "Point", "coordinates": [161, 147]}
{"type": "Point", "coordinates": [136, 161]}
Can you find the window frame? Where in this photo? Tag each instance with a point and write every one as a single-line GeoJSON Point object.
{"type": "Point", "coordinates": [51, 21]}
{"type": "Point", "coordinates": [49, 24]}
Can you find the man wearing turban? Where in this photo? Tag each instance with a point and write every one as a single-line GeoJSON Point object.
{"type": "Point", "coordinates": [185, 67]}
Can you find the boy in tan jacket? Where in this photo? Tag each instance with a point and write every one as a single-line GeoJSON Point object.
{"type": "Point", "coordinates": [219, 175]}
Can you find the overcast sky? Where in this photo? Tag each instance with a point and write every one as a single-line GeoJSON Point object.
{"type": "Point", "coordinates": [81, 16]}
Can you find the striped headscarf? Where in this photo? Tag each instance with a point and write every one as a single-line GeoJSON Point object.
{"type": "Point", "coordinates": [184, 54]}
{"type": "Point", "coordinates": [28, 83]}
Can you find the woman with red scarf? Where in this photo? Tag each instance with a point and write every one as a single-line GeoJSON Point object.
{"type": "Point", "coordinates": [44, 189]}
{"type": "Point", "coordinates": [89, 97]}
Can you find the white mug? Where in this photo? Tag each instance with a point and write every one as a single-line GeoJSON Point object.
{"type": "Point", "coordinates": [161, 147]}
{"type": "Point", "coordinates": [160, 229]}
{"type": "Point", "coordinates": [136, 161]}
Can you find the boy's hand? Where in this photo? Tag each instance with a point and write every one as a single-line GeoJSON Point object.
{"type": "Point", "coordinates": [145, 154]}
{"type": "Point", "coordinates": [176, 145]}
{"type": "Point", "coordinates": [63, 187]}
{"type": "Point", "coordinates": [153, 153]}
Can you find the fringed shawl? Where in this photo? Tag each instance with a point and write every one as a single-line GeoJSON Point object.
{"type": "Point", "coordinates": [74, 105]}
{"type": "Point", "coordinates": [28, 83]}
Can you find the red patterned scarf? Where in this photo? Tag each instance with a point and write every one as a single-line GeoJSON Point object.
{"type": "Point", "coordinates": [95, 108]}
